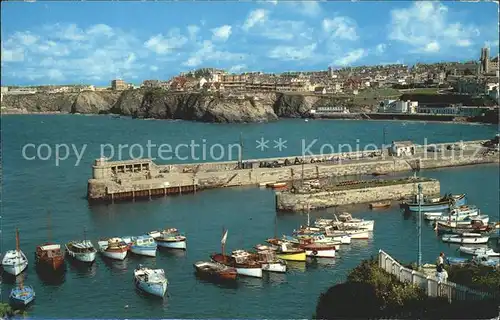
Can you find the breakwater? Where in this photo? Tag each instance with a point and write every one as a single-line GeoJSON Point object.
{"type": "Point", "coordinates": [134, 179]}
{"type": "Point", "coordinates": [360, 192]}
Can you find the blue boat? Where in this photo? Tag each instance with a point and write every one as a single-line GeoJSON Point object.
{"type": "Point", "coordinates": [143, 245]}
{"type": "Point", "coordinates": [456, 261]}
{"type": "Point", "coordinates": [442, 204]}
{"type": "Point", "coordinates": [152, 281]}
{"type": "Point", "coordinates": [21, 296]}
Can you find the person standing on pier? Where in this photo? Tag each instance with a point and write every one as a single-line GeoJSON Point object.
{"type": "Point", "coordinates": [441, 273]}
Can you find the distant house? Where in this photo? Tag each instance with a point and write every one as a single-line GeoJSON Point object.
{"type": "Point", "coordinates": [402, 148]}
{"type": "Point", "coordinates": [320, 90]}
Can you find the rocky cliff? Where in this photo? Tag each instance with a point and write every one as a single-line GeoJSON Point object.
{"type": "Point", "coordinates": [160, 104]}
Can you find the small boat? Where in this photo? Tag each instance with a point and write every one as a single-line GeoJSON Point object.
{"type": "Point", "coordinates": [486, 261]}
{"type": "Point", "coordinates": [83, 251]}
{"type": "Point", "coordinates": [289, 252]}
{"type": "Point", "coordinates": [479, 251]}
{"type": "Point", "coordinates": [484, 219]}
{"type": "Point", "coordinates": [456, 261]}
{"type": "Point", "coordinates": [21, 296]}
{"type": "Point", "coordinates": [317, 250]}
{"type": "Point", "coordinates": [113, 248]}
{"type": "Point", "coordinates": [466, 238]}
{"type": "Point", "coordinates": [143, 245]}
{"type": "Point", "coordinates": [454, 227]}
{"type": "Point", "coordinates": [277, 185]}
{"type": "Point", "coordinates": [49, 256]}
{"type": "Point", "coordinates": [270, 262]}
{"type": "Point", "coordinates": [432, 215]}
{"type": "Point", "coordinates": [215, 270]}
{"type": "Point", "coordinates": [243, 265]}
{"type": "Point", "coordinates": [14, 261]}
{"type": "Point", "coordinates": [353, 233]}
{"type": "Point", "coordinates": [436, 204]}
{"type": "Point", "coordinates": [303, 240]}
{"type": "Point", "coordinates": [169, 238]}
{"type": "Point", "coordinates": [263, 247]}
{"type": "Point", "coordinates": [152, 281]}
{"type": "Point", "coordinates": [459, 214]}
{"type": "Point", "coordinates": [345, 220]}
{"type": "Point", "coordinates": [380, 205]}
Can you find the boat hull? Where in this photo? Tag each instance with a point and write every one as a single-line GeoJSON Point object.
{"type": "Point", "coordinates": [155, 289]}
{"type": "Point", "coordinates": [320, 253]}
{"type": "Point", "coordinates": [55, 264]}
{"type": "Point", "coordinates": [274, 267]}
{"type": "Point", "coordinates": [299, 256]}
{"type": "Point", "coordinates": [21, 297]}
{"type": "Point", "coordinates": [458, 239]}
{"type": "Point", "coordinates": [442, 206]}
{"type": "Point", "coordinates": [144, 251]}
{"type": "Point", "coordinates": [250, 272]}
{"type": "Point", "coordinates": [479, 251]}
{"type": "Point", "coordinates": [181, 245]}
{"type": "Point", "coordinates": [15, 269]}
{"type": "Point", "coordinates": [115, 255]}
{"type": "Point", "coordinates": [87, 257]}
{"type": "Point", "coordinates": [14, 262]}
{"type": "Point", "coordinates": [215, 273]}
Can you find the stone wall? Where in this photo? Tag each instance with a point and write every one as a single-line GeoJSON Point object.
{"type": "Point", "coordinates": [287, 201]}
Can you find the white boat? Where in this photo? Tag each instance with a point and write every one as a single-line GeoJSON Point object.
{"type": "Point", "coordinates": [143, 245]}
{"type": "Point", "coordinates": [431, 216]}
{"type": "Point", "coordinates": [270, 262]}
{"type": "Point", "coordinates": [169, 238]}
{"type": "Point", "coordinates": [14, 261]}
{"type": "Point", "coordinates": [345, 220]}
{"type": "Point", "coordinates": [486, 261]}
{"type": "Point", "coordinates": [320, 251]}
{"type": "Point", "coordinates": [113, 248]}
{"type": "Point", "coordinates": [466, 238]}
{"type": "Point", "coordinates": [479, 251]}
{"type": "Point", "coordinates": [354, 234]}
{"type": "Point", "coordinates": [485, 219]}
{"type": "Point", "coordinates": [152, 281]}
{"type": "Point", "coordinates": [459, 214]}
{"type": "Point", "coordinates": [83, 251]}
{"type": "Point", "coordinates": [344, 239]}
{"type": "Point", "coordinates": [242, 259]}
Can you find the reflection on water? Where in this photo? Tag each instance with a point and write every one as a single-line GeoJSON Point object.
{"type": "Point", "coordinates": [315, 263]}
{"type": "Point", "coordinates": [116, 266]}
{"type": "Point", "coordinates": [83, 269]}
{"type": "Point", "coordinates": [275, 278]}
{"type": "Point", "coordinates": [296, 266]}
{"type": "Point", "coordinates": [172, 252]}
{"type": "Point", "coordinates": [153, 302]}
{"type": "Point", "coordinates": [251, 282]}
{"type": "Point", "coordinates": [225, 284]}
{"type": "Point", "coordinates": [51, 278]}
{"type": "Point", "coordinates": [8, 278]}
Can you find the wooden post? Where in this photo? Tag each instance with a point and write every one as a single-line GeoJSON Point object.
{"type": "Point", "coordinates": [180, 190]}
{"type": "Point", "coordinates": [149, 193]}
{"type": "Point", "coordinates": [133, 195]}
{"type": "Point", "coordinates": [165, 191]}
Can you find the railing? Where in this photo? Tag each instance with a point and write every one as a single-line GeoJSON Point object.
{"type": "Point", "coordinates": [432, 286]}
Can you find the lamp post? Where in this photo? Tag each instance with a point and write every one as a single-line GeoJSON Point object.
{"type": "Point", "coordinates": [419, 263]}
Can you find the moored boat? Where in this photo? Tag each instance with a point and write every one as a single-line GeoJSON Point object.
{"type": "Point", "coordinates": [49, 256]}
{"type": "Point", "coordinates": [316, 250]}
{"type": "Point", "coordinates": [83, 251]}
{"type": "Point", "coordinates": [113, 248]}
{"type": "Point", "coordinates": [432, 215]}
{"type": "Point", "coordinates": [353, 233]}
{"type": "Point", "coordinates": [215, 270]}
{"type": "Point", "coordinates": [435, 204]}
{"type": "Point", "coordinates": [169, 238]}
{"type": "Point", "coordinates": [21, 296]}
{"type": "Point", "coordinates": [243, 265]}
{"type": "Point", "coordinates": [277, 185]}
{"type": "Point", "coordinates": [486, 261]}
{"type": "Point", "coordinates": [14, 261]}
{"type": "Point", "coordinates": [143, 245]}
{"type": "Point", "coordinates": [479, 251]}
{"type": "Point", "coordinates": [289, 252]}
{"type": "Point", "coordinates": [453, 227]}
{"type": "Point", "coordinates": [345, 220]}
{"type": "Point", "coordinates": [380, 205]}
{"type": "Point", "coordinates": [466, 238]}
{"type": "Point", "coordinates": [152, 281]}
{"type": "Point", "coordinates": [270, 262]}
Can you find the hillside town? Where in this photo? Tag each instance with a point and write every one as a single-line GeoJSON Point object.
{"type": "Point", "coordinates": [384, 84]}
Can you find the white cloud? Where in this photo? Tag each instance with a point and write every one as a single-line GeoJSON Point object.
{"type": "Point", "coordinates": [290, 53]}
{"type": "Point", "coordinates": [343, 28]}
{"type": "Point", "coordinates": [425, 26]}
{"type": "Point", "coordinates": [308, 8]}
{"type": "Point", "coordinates": [254, 17]}
{"type": "Point", "coordinates": [15, 55]}
{"type": "Point", "coordinates": [285, 30]}
{"type": "Point", "coordinates": [153, 68]}
{"type": "Point", "coordinates": [350, 58]}
{"type": "Point", "coordinates": [55, 74]}
{"type": "Point", "coordinates": [208, 52]}
{"type": "Point", "coordinates": [237, 68]}
{"type": "Point", "coordinates": [193, 31]}
{"type": "Point", "coordinates": [101, 29]}
{"type": "Point", "coordinates": [221, 33]}
{"type": "Point", "coordinates": [163, 45]}
{"type": "Point", "coordinates": [380, 48]}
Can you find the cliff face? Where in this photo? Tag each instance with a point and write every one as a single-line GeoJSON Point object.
{"type": "Point", "coordinates": [156, 103]}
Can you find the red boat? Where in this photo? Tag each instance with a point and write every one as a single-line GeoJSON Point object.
{"type": "Point", "coordinates": [49, 256]}
{"type": "Point", "coordinates": [215, 270]}
{"type": "Point", "coordinates": [245, 266]}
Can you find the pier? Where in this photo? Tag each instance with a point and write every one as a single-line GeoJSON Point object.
{"type": "Point", "coordinates": [134, 179]}
{"type": "Point", "coordinates": [432, 286]}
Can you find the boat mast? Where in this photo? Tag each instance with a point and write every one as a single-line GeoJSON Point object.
{"type": "Point", "coordinates": [17, 240]}
{"type": "Point", "coordinates": [419, 263]}
{"type": "Point", "coordinates": [49, 234]}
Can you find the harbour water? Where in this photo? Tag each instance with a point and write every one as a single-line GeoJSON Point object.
{"type": "Point", "coordinates": [32, 188]}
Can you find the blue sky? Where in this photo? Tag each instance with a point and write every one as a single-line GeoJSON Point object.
{"type": "Point", "coordinates": [94, 42]}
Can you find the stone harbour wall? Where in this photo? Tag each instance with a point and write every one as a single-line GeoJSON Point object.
{"type": "Point", "coordinates": [288, 201]}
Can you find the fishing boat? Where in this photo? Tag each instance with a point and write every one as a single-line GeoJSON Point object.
{"type": "Point", "coordinates": [352, 233]}
{"type": "Point", "coordinates": [83, 251]}
{"type": "Point", "coordinates": [215, 270]}
{"type": "Point", "coordinates": [345, 220]}
{"type": "Point", "coordinates": [21, 296]}
{"type": "Point", "coordinates": [465, 238]}
{"type": "Point", "coordinates": [113, 248]}
{"type": "Point", "coordinates": [49, 256]}
{"type": "Point", "coordinates": [380, 205]}
{"type": "Point", "coordinates": [459, 214]}
{"type": "Point", "coordinates": [289, 252]}
{"type": "Point", "coordinates": [244, 264]}
{"type": "Point", "coordinates": [454, 227]}
{"type": "Point", "coordinates": [483, 218]}
{"type": "Point", "coordinates": [317, 250]}
{"type": "Point", "coordinates": [270, 261]}
{"type": "Point", "coordinates": [435, 204]}
{"type": "Point", "coordinates": [14, 261]}
{"type": "Point", "coordinates": [432, 215]}
{"type": "Point", "coordinates": [152, 281]}
{"type": "Point", "coordinates": [277, 185]}
{"type": "Point", "coordinates": [310, 239]}
{"type": "Point", "coordinates": [263, 247]}
{"type": "Point", "coordinates": [479, 251]}
{"type": "Point", "coordinates": [169, 238]}
{"type": "Point", "coordinates": [143, 245]}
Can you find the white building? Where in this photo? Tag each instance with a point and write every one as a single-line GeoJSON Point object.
{"type": "Point", "coordinates": [21, 91]}
{"type": "Point", "coordinates": [202, 82]}
{"type": "Point", "coordinates": [330, 109]}
{"type": "Point", "coordinates": [398, 106]}
{"type": "Point", "coordinates": [439, 110]}
{"type": "Point", "coordinates": [402, 148]}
